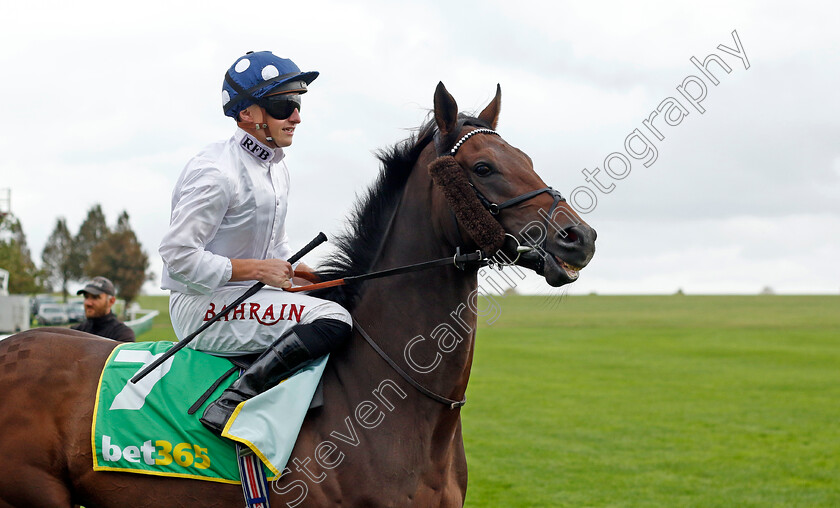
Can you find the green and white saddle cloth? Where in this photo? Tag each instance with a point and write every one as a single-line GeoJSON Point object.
{"type": "Point", "coordinates": [145, 428]}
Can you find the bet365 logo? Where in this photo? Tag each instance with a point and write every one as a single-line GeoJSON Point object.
{"type": "Point", "coordinates": [162, 453]}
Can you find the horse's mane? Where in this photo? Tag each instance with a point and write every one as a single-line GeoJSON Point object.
{"type": "Point", "coordinates": [358, 247]}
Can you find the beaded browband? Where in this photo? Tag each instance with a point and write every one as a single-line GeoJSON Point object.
{"type": "Point", "coordinates": [468, 136]}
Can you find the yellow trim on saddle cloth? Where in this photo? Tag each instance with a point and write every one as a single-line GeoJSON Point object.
{"type": "Point", "coordinates": [168, 474]}
{"type": "Point", "coordinates": [225, 433]}
{"type": "Point", "coordinates": [96, 405]}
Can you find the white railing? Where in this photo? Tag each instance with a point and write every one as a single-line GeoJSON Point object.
{"type": "Point", "coordinates": [143, 324]}
{"type": "Point", "coordinates": [139, 325]}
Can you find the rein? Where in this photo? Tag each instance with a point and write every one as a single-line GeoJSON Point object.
{"type": "Point", "coordinates": [458, 260]}
{"type": "Point", "coordinates": [453, 404]}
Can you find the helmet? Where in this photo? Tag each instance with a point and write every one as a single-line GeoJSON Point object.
{"type": "Point", "coordinates": [256, 75]}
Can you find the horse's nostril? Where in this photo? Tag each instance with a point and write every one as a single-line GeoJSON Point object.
{"type": "Point", "coordinates": [568, 236]}
{"type": "Point", "coordinates": [577, 235]}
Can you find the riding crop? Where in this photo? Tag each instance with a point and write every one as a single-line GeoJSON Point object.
{"type": "Point", "coordinates": [318, 240]}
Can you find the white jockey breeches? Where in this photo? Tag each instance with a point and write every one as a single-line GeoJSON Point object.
{"type": "Point", "coordinates": [253, 325]}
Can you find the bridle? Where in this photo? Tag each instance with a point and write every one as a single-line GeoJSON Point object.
{"type": "Point", "coordinates": [495, 208]}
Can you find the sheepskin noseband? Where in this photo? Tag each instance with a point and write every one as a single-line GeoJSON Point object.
{"type": "Point", "coordinates": [482, 227]}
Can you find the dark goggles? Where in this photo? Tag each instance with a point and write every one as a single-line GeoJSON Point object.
{"type": "Point", "coordinates": [281, 107]}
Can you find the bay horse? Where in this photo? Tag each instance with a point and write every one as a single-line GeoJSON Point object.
{"type": "Point", "coordinates": [377, 440]}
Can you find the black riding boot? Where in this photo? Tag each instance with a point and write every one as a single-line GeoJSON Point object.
{"type": "Point", "coordinates": [292, 351]}
{"type": "Point", "coordinates": [278, 362]}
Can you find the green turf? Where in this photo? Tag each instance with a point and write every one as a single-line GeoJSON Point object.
{"type": "Point", "coordinates": [651, 401]}
{"type": "Point", "coordinates": [161, 326]}
{"type": "Point", "coordinates": [656, 401]}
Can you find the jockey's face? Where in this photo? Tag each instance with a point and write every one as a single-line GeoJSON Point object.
{"type": "Point", "coordinates": [281, 130]}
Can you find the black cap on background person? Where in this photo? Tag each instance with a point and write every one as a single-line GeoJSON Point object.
{"type": "Point", "coordinates": [98, 286]}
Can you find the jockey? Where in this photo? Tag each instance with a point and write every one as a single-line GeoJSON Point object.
{"type": "Point", "coordinates": [227, 231]}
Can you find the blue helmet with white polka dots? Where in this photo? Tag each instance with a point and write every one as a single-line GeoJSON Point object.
{"type": "Point", "coordinates": [258, 74]}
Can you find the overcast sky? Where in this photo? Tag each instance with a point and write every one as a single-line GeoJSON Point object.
{"type": "Point", "coordinates": [104, 103]}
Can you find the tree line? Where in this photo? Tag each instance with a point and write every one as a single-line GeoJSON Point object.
{"type": "Point", "coordinates": [94, 250]}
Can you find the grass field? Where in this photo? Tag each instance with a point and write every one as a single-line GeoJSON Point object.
{"type": "Point", "coordinates": [651, 401]}
{"type": "Point", "coordinates": [657, 401]}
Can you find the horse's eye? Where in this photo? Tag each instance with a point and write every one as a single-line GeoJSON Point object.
{"type": "Point", "coordinates": [482, 169]}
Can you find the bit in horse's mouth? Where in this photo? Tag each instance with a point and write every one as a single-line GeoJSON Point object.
{"type": "Point", "coordinates": [549, 263]}
{"type": "Point", "coordinates": [573, 272]}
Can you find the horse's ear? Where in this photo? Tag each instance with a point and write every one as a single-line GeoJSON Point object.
{"type": "Point", "coordinates": [491, 112]}
{"type": "Point", "coordinates": [446, 110]}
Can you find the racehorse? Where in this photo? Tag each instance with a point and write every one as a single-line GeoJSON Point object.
{"type": "Point", "coordinates": [453, 188]}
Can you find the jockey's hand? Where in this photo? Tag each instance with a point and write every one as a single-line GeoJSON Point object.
{"type": "Point", "coordinates": [277, 273]}
{"type": "Point", "coordinates": [271, 272]}
{"type": "Point", "coordinates": [304, 275]}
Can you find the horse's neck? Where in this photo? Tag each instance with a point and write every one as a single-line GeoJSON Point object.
{"type": "Point", "coordinates": [421, 319]}
{"type": "Point", "coordinates": [406, 433]}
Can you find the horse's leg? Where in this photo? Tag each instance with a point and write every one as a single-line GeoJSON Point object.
{"type": "Point", "coordinates": [455, 487]}
{"type": "Point", "coordinates": [446, 488]}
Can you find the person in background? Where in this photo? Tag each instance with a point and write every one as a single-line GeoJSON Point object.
{"type": "Point", "coordinates": [99, 298]}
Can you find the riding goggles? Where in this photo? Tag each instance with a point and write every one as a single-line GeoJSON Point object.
{"type": "Point", "coordinates": [281, 107]}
